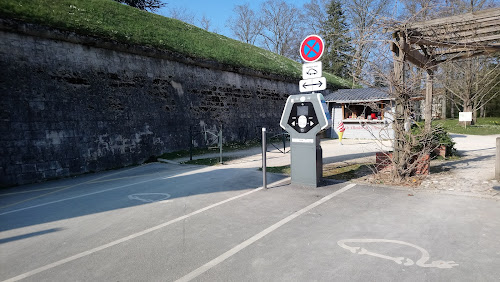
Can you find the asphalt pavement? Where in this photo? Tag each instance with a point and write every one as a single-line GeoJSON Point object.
{"type": "Point", "coordinates": [167, 222]}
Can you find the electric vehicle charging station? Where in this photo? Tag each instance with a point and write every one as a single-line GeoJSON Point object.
{"type": "Point", "coordinates": [304, 116]}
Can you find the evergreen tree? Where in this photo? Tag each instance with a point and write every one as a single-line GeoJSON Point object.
{"type": "Point", "coordinates": [334, 31]}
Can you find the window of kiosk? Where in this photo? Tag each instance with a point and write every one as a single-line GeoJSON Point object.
{"type": "Point", "coordinates": [366, 112]}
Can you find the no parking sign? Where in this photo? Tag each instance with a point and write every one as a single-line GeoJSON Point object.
{"type": "Point", "coordinates": [312, 48]}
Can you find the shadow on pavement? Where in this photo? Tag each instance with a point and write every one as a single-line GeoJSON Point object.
{"type": "Point", "coordinates": [92, 198]}
{"type": "Point", "coordinates": [449, 165]}
{"type": "Point", "coordinates": [29, 235]}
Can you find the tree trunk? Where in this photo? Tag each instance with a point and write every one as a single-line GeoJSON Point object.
{"type": "Point", "coordinates": [443, 106]}
{"type": "Point", "coordinates": [468, 108]}
{"type": "Point", "coordinates": [452, 107]}
{"type": "Point", "coordinates": [474, 111]}
{"type": "Point", "coordinates": [428, 99]}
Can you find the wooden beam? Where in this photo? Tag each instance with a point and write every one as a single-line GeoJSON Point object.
{"type": "Point", "coordinates": [458, 27]}
{"type": "Point", "coordinates": [474, 16]}
{"type": "Point", "coordinates": [416, 58]}
{"type": "Point", "coordinates": [454, 32]}
{"type": "Point", "coordinates": [428, 42]}
{"type": "Point", "coordinates": [461, 57]}
{"type": "Point", "coordinates": [479, 40]}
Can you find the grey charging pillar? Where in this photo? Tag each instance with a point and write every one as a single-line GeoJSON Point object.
{"type": "Point", "coordinates": [304, 116]}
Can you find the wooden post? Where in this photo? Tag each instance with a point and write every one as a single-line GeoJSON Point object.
{"type": "Point", "coordinates": [399, 80]}
{"type": "Point", "coordinates": [428, 99]}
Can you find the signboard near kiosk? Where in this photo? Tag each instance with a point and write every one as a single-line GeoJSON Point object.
{"type": "Point", "coordinates": [465, 116]}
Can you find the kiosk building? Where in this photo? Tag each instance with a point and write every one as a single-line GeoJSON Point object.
{"type": "Point", "coordinates": [367, 113]}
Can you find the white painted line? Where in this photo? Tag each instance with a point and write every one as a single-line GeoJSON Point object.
{"type": "Point", "coordinates": [133, 236]}
{"type": "Point", "coordinates": [149, 197]}
{"type": "Point", "coordinates": [195, 273]}
{"type": "Point", "coordinates": [423, 255]}
{"type": "Point", "coordinates": [191, 172]}
{"type": "Point", "coordinates": [33, 191]}
{"type": "Point", "coordinates": [80, 196]}
{"type": "Point", "coordinates": [89, 194]}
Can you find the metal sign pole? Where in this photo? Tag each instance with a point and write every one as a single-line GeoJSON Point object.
{"type": "Point", "coordinates": [220, 143]}
{"type": "Point", "coordinates": [264, 150]}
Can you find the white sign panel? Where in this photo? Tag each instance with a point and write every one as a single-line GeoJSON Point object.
{"type": "Point", "coordinates": [312, 70]}
{"type": "Point", "coordinates": [313, 84]}
{"type": "Point", "coordinates": [300, 140]}
{"type": "Point", "coordinates": [465, 116]}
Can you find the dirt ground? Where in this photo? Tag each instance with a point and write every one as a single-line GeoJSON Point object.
{"type": "Point", "coordinates": [472, 173]}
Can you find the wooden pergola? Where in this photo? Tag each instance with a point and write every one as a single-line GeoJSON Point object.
{"type": "Point", "coordinates": [430, 43]}
{"type": "Point", "coordinates": [427, 44]}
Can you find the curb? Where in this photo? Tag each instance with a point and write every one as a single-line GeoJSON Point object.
{"type": "Point", "coordinates": [167, 161]}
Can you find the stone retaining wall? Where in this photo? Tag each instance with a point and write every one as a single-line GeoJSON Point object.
{"type": "Point", "coordinates": [74, 104]}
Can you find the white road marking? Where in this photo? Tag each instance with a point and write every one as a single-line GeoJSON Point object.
{"type": "Point", "coordinates": [85, 195]}
{"type": "Point", "coordinates": [195, 273]}
{"type": "Point", "coordinates": [135, 235]}
{"type": "Point", "coordinates": [80, 196]}
{"type": "Point", "coordinates": [187, 173]}
{"type": "Point", "coordinates": [149, 197]}
{"type": "Point", "coordinates": [424, 254]}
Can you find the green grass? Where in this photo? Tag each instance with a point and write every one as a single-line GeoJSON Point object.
{"type": "Point", "coordinates": [347, 172]}
{"type": "Point", "coordinates": [278, 169]}
{"type": "Point", "coordinates": [484, 126]}
{"type": "Point", "coordinates": [114, 21]}
{"type": "Point", "coordinates": [208, 161]}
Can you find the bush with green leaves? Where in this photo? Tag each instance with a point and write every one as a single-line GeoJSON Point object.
{"type": "Point", "coordinates": [438, 136]}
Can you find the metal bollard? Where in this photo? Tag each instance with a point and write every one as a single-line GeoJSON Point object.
{"type": "Point", "coordinates": [220, 143]}
{"type": "Point", "coordinates": [497, 161]}
{"type": "Point", "coordinates": [264, 150]}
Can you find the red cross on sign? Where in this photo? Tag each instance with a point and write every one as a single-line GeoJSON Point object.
{"type": "Point", "coordinates": [312, 48]}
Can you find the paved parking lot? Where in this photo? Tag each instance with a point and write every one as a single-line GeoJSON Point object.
{"type": "Point", "coordinates": [163, 222]}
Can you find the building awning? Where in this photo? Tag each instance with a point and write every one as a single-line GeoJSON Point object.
{"type": "Point", "coordinates": [359, 95]}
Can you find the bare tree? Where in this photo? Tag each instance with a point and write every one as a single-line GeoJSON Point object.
{"type": "Point", "coordinates": [468, 80]}
{"type": "Point", "coordinates": [428, 46]}
{"type": "Point", "coordinates": [151, 5]}
{"type": "Point", "coordinates": [206, 24]}
{"type": "Point", "coordinates": [182, 14]}
{"type": "Point", "coordinates": [419, 10]}
{"type": "Point", "coordinates": [246, 26]}
{"type": "Point", "coordinates": [471, 81]}
{"type": "Point", "coordinates": [281, 30]}
{"type": "Point", "coordinates": [314, 14]}
{"type": "Point", "coordinates": [364, 16]}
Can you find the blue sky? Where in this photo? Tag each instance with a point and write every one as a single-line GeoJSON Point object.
{"type": "Point", "coordinates": [218, 11]}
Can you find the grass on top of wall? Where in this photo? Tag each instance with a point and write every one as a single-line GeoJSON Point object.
{"type": "Point", "coordinates": [111, 20]}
